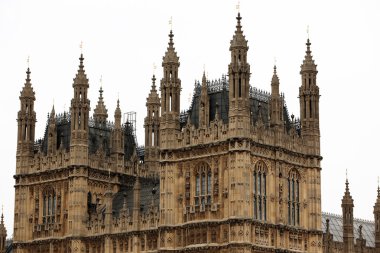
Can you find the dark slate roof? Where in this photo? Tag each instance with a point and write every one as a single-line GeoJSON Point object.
{"type": "Point", "coordinates": [148, 186]}
{"type": "Point", "coordinates": [98, 134]}
{"type": "Point", "coordinates": [336, 228]}
{"type": "Point", "coordinates": [218, 91]}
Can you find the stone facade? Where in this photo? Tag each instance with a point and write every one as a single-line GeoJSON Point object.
{"type": "Point", "coordinates": [235, 173]}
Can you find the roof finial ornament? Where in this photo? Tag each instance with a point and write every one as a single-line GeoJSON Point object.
{"type": "Point", "coordinates": [171, 23]}
{"type": "Point", "coordinates": [378, 188]}
{"type": "Point", "coordinates": [28, 70]}
{"type": "Point", "coordinates": [238, 6]}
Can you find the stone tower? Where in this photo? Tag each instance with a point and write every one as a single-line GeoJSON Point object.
{"type": "Point", "coordinates": [152, 130]}
{"type": "Point", "coordinates": [80, 108]}
{"type": "Point", "coordinates": [239, 73]}
{"type": "Point", "coordinates": [348, 221]}
{"type": "Point", "coordinates": [309, 102]}
{"type": "Point", "coordinates": [276, 108]}
{"type": "Point", "coordinates": [3, 235]}
{"type": "Point", "coordinates": [117, 143]}
{"type": "Point", "coordinates": [376, 212]}
{"type": "Point", "coordinates": [170, 97]}
{"type": "Point", "coordinates": [26, 120]}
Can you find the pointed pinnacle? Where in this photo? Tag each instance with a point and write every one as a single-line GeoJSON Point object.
{"type": "Point", "coordinates": [81, 66]}
{"type": "Point", "coordinates": [101, 93]}
{"type": "Point", "coordinates": [238, 26]}
{"type": "Point", "coordinates": [153, 83]}
{"type": "Point", "coordinates": [171, 35]}
{"type": "Point", "coordinates": [308, 51]}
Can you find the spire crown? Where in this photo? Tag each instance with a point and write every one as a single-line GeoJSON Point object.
{"type": "Point", "coordinates": [27, 90]}
{"type": "Point", "coordinates": [275, 79]}
{"type": "Point", "coordinates": [204, 78]}
{"type": "Point", "coordinates": [238, 40]}
{"type": "Point", "coordinates": [171, 54]}
{"type": "Point", "coordinates": [308, 63]}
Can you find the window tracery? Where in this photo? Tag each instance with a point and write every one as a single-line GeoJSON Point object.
{"type": "Point", "coordinates": [49, 202]}
{"type": "Point", "coordinates": [294, 198]}
{"type": "Point", "coordinates": [260, 191]}
{"type": "Point", "coordinates": [203, 185]}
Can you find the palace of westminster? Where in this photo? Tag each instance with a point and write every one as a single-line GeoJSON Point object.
{"type": "Point", "coordinates": [233, 173]}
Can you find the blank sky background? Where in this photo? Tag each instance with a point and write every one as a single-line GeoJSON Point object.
{"type": "Point", "coordinates": [122, 40]}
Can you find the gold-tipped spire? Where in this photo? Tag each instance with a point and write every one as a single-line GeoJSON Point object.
{"type": "Point", "coordinates": [171, 23]}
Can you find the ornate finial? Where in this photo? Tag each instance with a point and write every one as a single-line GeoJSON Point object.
{"type": "Point", "coordinates": [327, 225]}
{"type": "Point", "coordinates": [275, 61]}
{"type": "Point", "coordinates": [153, 83]}
{"type": "Point", "coordinates": [238, 26]}
{"type": "Point", "coordinates": [28, 70]}
{"type": "Point", "coordinates": [154, 68]}
{"type": "Point", "coordinates": [378, 188]}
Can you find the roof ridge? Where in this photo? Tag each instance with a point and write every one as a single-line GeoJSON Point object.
{"type": "Point", "coordinates": [341, 216]}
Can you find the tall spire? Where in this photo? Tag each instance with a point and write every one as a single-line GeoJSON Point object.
{"type": "Point", "coordinates": [171, 54]}
{"type": "Point", "coordinates": [348, 220]}
{"type": "Point", "coordinates": [276, 104]}
{"type": "Point", "coordinates": [238, 40]}
{"type": "Point", "coordinates": [275, 82]}
{"type": "Point", "coordinates": [27, 90]}
{"type": "Point", "coordinates": [26, 119]}
{"type": "Point", "coordinates": [100, 111]}
{"type": "Point", "coordinates": [308, 62]}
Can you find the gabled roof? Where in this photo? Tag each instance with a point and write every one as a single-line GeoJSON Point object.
{"type": "Point", "coordinates": [336, 228]}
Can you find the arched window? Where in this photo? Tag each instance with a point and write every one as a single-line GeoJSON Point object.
{"type": "Point", "coordinates": [203, 185]}
{"type": "Point", "coordinates": [294, 198]}
{"type": "Point", "coordinates": [49, 205]}
{"type": "Point", "coordinates": [260, 191]}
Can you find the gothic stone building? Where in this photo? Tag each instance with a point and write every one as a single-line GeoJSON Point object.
{"type": "Point", "coordinates": [234, 173]}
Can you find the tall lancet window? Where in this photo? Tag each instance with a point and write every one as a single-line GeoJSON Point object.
{"type": "Point", "coordinates": [49, 205]}
{"type": "Point", "coordinates": [294, 198]}
{"type": "Point", "coordinates": [260, 191]}
{"type": "Point", "coordinates": [203, 185]}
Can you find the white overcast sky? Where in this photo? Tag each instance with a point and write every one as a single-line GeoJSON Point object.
{"type": "Point", "coordinates": [122, 40]}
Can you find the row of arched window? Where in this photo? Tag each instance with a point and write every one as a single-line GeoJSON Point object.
{"type": "Point", "coordinates": [204, 188]}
